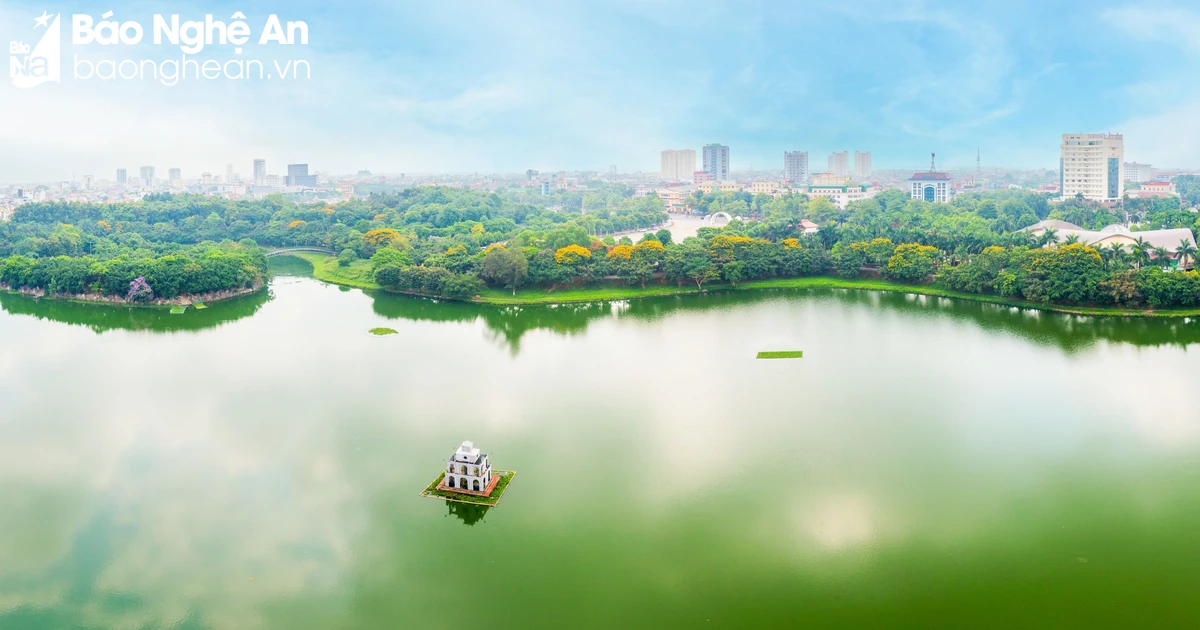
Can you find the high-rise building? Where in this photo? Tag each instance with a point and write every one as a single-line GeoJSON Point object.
{"type": "Point", "coordinates": [716, 161]}
{"type": "Point", "coordinates": [1092, 165]}
{"type": "Point", "coordinates": [862, 164]}
{"type": "Point", "coordinates": [795, 166]}
{"type": "Point", "coordinates": [298, 176]}
{"type": "Point", "coordinates": [839, 163]}
{"type": "Point", "coordinates": [678, 164]}
{"type": "Point", "coordinates": [260, 172]}
{"type": "Point", "coordinates": [87, 182]}
{"type": "Point", "coordinates": [147, 176]}
{"type": "Point", "coordinates": [206, 178]}
{"type": "Point", "coordinates": [174, 177]}
{"type": "Point", "coordinates": [228, 173]}
{"type": "Point", "coordinates": [122, 176]}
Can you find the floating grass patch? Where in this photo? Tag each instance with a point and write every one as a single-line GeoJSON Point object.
{"type": "Point", "coordinates": [382, 332]}
{"type": "Point", "coordinates": [199, 305]}
{"type": "Point", "coordinates": [432, 491]}
{"type": "Point", "coordinates": [178, 310]}
{"type": "Point", "coordinates": [782, 354]}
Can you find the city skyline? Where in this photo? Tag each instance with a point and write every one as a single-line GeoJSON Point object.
{"type": "Point", "coordinates": [486, 99]}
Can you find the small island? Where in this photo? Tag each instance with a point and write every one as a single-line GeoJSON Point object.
{"type": "Point", "coordinates": [781, 354]}
{"type": "Point", "coordinates": [469, 478]}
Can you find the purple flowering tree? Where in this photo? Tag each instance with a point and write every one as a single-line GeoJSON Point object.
{"type": "Point", "coordinates": [140, 291]}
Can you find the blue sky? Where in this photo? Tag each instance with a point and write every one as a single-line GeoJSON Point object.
{"type": "Point", "coordinates": [465, 86]}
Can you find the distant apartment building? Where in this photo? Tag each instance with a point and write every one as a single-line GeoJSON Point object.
{"type": "Point", "coordinates": [1092, 165]}
{"type": "Point", "coordinates": [298, 176]}
{"type": "Point", "coordinates": [122, 176]}
{"type": "Point", "coordinates": [716, 161]}
{"type": "Point", "coordinates": [795, 166]}
{"type": "Point", "coordinates": [228, 173]}
{"type": "Point", "coordinates": [174, 177]}
{"type": "Point", "coordinates": [206, 178]}
{"type": "Point", "coordinates": [147, 175]}
{"type": "Point", "coordinates": [839, 163]}
{"type": "Point", "coordinates": [544, 188]}
{"type": "Point", "coordinates": [260, 172]}
{"type": "Point", "coordinates": [862, 165]}
{"type": "Point", "coordinates": [702, 177]}
{"type": "Point", "coordinates": [1140, 173]}
{"type": "Point", "coordinates": [678, 164]}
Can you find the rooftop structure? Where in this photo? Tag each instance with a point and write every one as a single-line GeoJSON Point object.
{"type": "Point", "coordinates": [1169, 239]}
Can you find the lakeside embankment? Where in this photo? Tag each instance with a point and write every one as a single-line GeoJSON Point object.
{"type": "Point", "coordinates": [114, 300]}
{"type": "Point", "coordinates": [358, 275]}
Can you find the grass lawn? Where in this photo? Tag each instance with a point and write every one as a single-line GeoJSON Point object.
{"type": "Point", "coordinates": [356, 274]}
{"type": "Point", "coordinates": [781, 354]}
{"type": "Point", "coordinates": [506, 477]}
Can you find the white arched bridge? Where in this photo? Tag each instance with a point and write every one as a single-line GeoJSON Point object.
{"type": "Point", "coordinates": [287, 251]}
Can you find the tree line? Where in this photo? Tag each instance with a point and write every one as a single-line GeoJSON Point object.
{"type": "Point", "coordinates": [452, 242]}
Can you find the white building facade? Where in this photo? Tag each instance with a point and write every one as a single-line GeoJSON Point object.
{"type": "Point", "coordinates": [932, 186]}
{"type": "Point", "coordinates": [795, 166]}
{"type": "Point", "coordinates": [468, 469]}
{"type": "Point", "coordinates": [1137, 172]}
{"type": "Point", "coordinates": [839, 163]}
{"type": "Point", "coordinates": [862, 164]}
{"type": "Point", "coordinates": [1092, 165]}
{"type": "Point", "coordinates": [678, 164]}
{"type": "Point", "coordinates": [841, 196]}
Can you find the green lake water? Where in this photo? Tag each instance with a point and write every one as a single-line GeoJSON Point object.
{"type": "Point", "coordinates": [927, 463]}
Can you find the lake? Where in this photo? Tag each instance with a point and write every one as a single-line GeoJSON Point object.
{"type": "Point", "coordinates": [927, 463]}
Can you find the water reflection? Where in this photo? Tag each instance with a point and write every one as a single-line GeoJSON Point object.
{"type": "Point", "coordinates": [105, 317]}
{"type": "Point", "coordinates": [466, 512]}
{"type": "Point", "coordinates": [1070, 333]}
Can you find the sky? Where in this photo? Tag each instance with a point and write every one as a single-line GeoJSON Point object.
{"type": "Point", "coordinates": [464, 86]}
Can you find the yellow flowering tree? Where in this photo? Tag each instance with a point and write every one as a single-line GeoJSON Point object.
{"type": "Point", "coordinates": [572, 255]}
{"type": "Point", "coordinates": [912, 262]}
{"type": "Point", "coordinates": [620, 252]}
{"type": "Point", "coordinates": [381, 237]}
